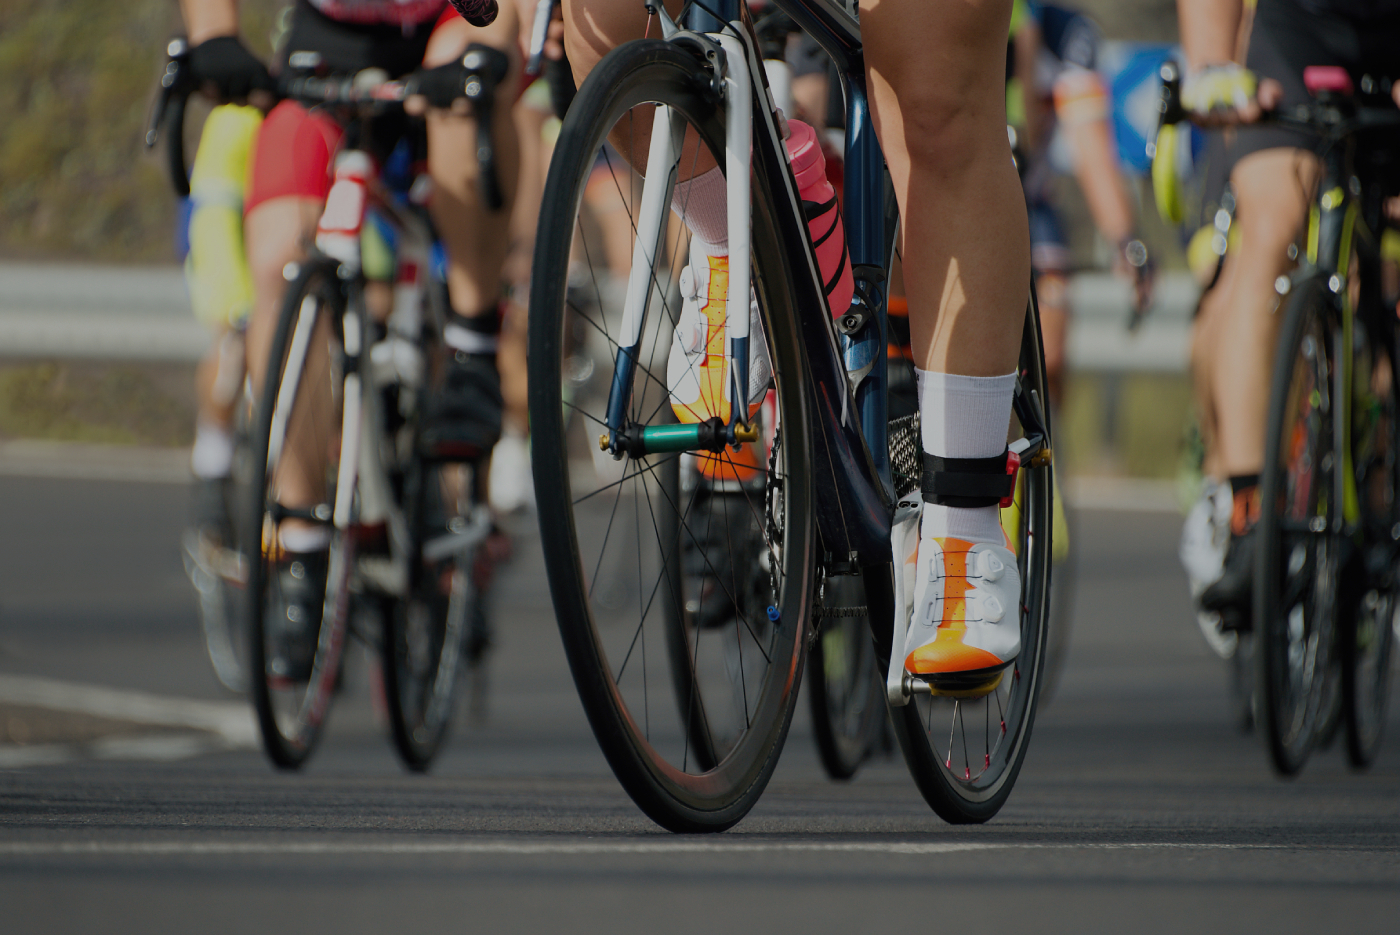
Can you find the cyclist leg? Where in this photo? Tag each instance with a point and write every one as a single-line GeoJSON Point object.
{"type": "Point", "coordinates": [942, 121]}
{"type": "Point", "coordinates": [1272, 188]}
{"type": "Point", "coordinates": [464, 420]}
{"type": "Point", "coordinates": [1050, 260]}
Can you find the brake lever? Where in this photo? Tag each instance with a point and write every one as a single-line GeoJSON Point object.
{"type": "Point", "coordinates": [175, 88]}
{"type": "Point", "coordinates": [539, 34]}
{"type": "Point", "coordinates": [486, 68]}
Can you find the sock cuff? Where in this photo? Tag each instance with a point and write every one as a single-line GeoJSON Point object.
{"type": "Point", "coordinates": [963, 416]}
{"type": "Point", "coordinates": [702, 203]}
{"type": "Point", "coordinates": [1239, 483]}
{"type": "Point", "coordinates": [479, 334]}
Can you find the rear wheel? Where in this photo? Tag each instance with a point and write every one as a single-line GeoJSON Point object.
{"type": "Point", "coordinates": [436, 636]}
{"type": "Point", "coordinates": [1368, 632]}
{"type": "Point", "coordinates": [965, 753]}
{"type": "Point", "coordinates": [681, 581]}
{"type": "Point", "coordinates": [844, 687]}
{"type": "Point", "coordinates": [1298, 549]}
{"type": "Point", "coordinates": [299, 564]}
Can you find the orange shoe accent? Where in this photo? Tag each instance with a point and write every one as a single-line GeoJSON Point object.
{"type": "Point", "coordinates": [714, 365]}
{"type": "Point", "coordinates": [946, 654]}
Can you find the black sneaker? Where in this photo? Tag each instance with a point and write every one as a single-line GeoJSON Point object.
{"type": "Point", "coordinates": [1232, 594]}
{"type": "Point", "coordinates": [463, 419]}
{"type": "Point", "coordinates": [295, 627]}
{"type": "Point", "coordinates": [210, 510]}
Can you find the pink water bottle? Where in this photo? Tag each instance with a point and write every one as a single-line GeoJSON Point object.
{"type": "Point", "coordinates": [823, 215]}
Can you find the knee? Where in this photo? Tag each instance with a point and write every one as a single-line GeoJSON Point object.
{"type": "Point", "coordinates": [948, 132]}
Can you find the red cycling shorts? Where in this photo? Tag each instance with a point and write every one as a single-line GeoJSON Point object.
{"type": "Point", "coordinates": [292, 156]}
{"type": "Point", "coordinates": [295, 149]}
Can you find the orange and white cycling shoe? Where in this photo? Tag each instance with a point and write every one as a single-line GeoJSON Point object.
{"type": "Point", "coordinates": [697, 372]}
{"type": "Point", "coordinates": [966, 622]}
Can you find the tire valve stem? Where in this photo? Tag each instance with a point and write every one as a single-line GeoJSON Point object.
{"type": "Point", "coordinates": [774, 614]}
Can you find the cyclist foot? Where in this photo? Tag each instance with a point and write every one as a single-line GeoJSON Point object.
{"type": "Point", "coordinates": [1232, 594]}
{"type": "Point", "coordinates": [301, 582]}
{"type": "Point", "coordinates": [966, 625]}
{"type": "Point", "coordinates": [463, 420]}
{"type": "Point", "coordinates": [697, 373]}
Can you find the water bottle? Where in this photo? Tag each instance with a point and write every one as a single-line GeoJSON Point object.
{"type": "Point", "coordinates": [216, 268]}
{"type": "Point", "coordinates": [823, 214]}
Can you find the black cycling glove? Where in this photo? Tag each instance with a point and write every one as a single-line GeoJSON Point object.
{"type": "Point", "coordinates": [226, 63]}
{"type": "Point", "coordinates": [441, 85]}
{"type": "Point", "coordinates": [444, 84]}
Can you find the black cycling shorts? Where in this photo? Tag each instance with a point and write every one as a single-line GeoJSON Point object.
{"type": "Point", "coordinates": [1288, 37]}
{"type": "Point", "coordinates": [347, 48]}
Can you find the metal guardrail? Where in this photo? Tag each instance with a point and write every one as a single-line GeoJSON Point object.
{"type": "Point", "coordinates": [143, 313]}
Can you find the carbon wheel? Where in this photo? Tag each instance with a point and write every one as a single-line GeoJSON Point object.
{"type": "Point", "coordinates": [681, 582]}
{"type": "Point", "coordinates": [965, 753]}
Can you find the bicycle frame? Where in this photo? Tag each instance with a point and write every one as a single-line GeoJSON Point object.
{"type": "Point", "coordinates": [854, 497]}
{"type": "Point", "coordinates": [1336, 225]}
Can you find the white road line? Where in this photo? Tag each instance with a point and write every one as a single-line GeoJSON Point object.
{"type": "Point", "coordinates": [231, 721]}
{"type": "Point", "coordinates": [557, 848]}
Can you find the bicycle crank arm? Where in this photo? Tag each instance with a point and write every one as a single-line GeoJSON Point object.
{"type": "Point", "coordinates": [460, 540]}
{"type": "Point", "coordinates": [642, 440]}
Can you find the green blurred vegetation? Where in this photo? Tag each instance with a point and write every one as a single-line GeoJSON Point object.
{"type": "Point", "coordinates": [1131, 424]}
{"type": "Point", "coordinates": [76, 82]}
{"type": "Point", "coordinates": [85, 402]}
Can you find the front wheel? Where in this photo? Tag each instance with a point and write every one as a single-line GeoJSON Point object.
{"type": "Point", "coordinates": [965, 753]}
{"type": "Point", "coordinates": [681, 581]}
{"type": "Point", "coordinates": [299, 564]}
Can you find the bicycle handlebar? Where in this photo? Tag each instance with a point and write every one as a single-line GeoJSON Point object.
{"type": "Point", "coordinates": [483, 74]}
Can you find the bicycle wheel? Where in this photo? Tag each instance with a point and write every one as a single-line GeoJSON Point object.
{"type": "Point", "coordinates": [965, 753]}
{"type": "Point", "coordinates": [435, 637]}
{"type": "Point", "coordinates": [681, 583]}
{"type": "Point", "coordinates": [1297, 557]}
{"type": "Point", "coordinates": [294, 654]}
{"type": "Point", "coordinates": [844, 688]}
{"type": "Point", "coordinates": [1371, 610]}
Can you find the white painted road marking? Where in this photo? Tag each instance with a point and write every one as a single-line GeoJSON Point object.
{"type": "Point", "coordinates": [222, 725]}
{"type": "Point", "coordinates": [560, 848]}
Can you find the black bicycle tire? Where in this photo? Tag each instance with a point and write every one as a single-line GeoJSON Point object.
{"type": "Point", "coordinates": [637, 72]}
{"type": "Point", "coordinates": [284, 752]}
{"type": "Point", "coordinates": [1365, 730]}
{"type": "Point", "coordinates": [418, 743]}
{"type": "Point", "coordinates": [842, 749]}
{"type": "Point", "coordinates": [1309, 298]}
{"type": "Point", "coordinates": [951, 800]}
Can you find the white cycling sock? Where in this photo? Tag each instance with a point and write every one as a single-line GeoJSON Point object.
{"type": "Point", "coordinates": [702, 203]}
{"type": "Point", "coordinates": [212, 455]}
{"type": "Point", "coordinates": [305, 538]}
{"type": "Point", "coordinates": [963, 417]}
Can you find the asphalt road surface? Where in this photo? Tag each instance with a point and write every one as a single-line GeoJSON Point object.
{"type": "Point", "coordinates": [1141, 807]}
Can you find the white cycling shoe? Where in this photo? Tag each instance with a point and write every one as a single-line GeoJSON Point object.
{"type": "Point", "coordinates": [697, 372]}
{"type": "Point", "coordinates": [965, 626]}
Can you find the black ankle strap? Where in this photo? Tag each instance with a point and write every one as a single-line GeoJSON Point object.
{"type": "Point", "coordinates": [966, 482]}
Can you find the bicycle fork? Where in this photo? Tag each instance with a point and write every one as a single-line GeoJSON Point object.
{"type": "Point", "coordinates": [667, 138]}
